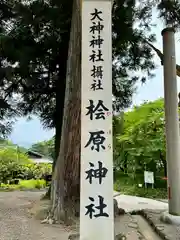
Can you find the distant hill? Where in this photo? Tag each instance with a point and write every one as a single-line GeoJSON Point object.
{"type": "Point", "coordinates": [8, 144]}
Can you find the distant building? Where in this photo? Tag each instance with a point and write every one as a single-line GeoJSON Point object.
{"type": "Point", "coordinates": [38, 158]}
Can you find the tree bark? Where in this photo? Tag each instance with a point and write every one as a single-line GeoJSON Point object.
{"type": "Point", "coordinates": [66, 178]}
{"type": "Point", "coordinates": [60, 96]}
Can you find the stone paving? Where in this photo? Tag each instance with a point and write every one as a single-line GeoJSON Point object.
{"type": "Point", "coordinates": [145, 225]}
{"type": "Point", "coordinates": [164, 230]}
{"type": "Point", "coordinates": [130, 227]}
{"type": "Point", "coordinates": [151, 211]}
{"type": "Point", "coordinates": [126, 228]}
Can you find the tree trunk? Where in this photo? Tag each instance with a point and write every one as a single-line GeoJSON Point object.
{"type": "Point", "coordinates": [60, 96]}
{"type": "Point", "coordinates": [66, 178]}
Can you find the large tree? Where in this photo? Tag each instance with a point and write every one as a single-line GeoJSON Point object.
{"type": "Point", "coordinates": [8, 102]}
{"type": "Point", "coordinates": [35, 45]}
{"type": "Point", "coordinates": [38, 41]}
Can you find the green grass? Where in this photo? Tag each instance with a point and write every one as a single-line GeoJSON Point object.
{"type": "Point", "coordinates": [24, 185]}
{"type": "Point", "coordinates": [128, 186]}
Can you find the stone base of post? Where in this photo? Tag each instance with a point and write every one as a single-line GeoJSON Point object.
{"type": "Point", "coordinates": [170, 219]}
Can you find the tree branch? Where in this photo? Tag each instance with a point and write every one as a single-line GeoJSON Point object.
{"type": "Point", "coordinates": [161, 56]}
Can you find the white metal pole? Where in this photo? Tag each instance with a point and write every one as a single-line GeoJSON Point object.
{"type": "Point", "coordinates": [172, 121]}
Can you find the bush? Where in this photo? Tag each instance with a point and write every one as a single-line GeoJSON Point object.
{"type": "Point", "coordinates": [15, 165]}
{"type": "Point", "coordinates": [36, 171]}
{"type": "Point", "coordinates": [138, 178]}
{"type": "Point", "coordinates": [126, 184]}
{"type": "Point", "coordinates": [134, 190]}
{"type": "Point", "coordinates": [11, 164]}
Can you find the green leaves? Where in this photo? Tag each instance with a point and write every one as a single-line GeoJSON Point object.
{"type": "Point", "coordinates": [170, 11]}
{"type": "Point", "coordinates": [37, 41]}
{"type": "Point", "coordinates": [11, 161]}
{"type": "Point", "coordinates": [46, 148]}
{"type": "Point", "coordinates": [143, 138]}
{"type": "Point", "coordinates": [36, 171]}
{"type": "Point", "coordinates": [15, 164]}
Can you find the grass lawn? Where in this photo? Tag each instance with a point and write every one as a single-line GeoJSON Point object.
{"type": "Point", "coordinates": [24, 185]}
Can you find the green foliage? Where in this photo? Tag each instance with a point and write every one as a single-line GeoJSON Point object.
{"type": "Point", "coordinates": [170, 12]}
{"type": "Point", "coordinates": [126, 184]}
{"type": "Point", "coordinates": [156, 193]}
{"type": "Point", "coordinates": [15, 164]}
{"type": "Point", "coordinates": [5, 142]}
{"type": "Point", "coordinates": [8, 101]}
{"type": "Point", "coordinates": [36, 39]}
{"type": "Point", "coordinates": [6, 115]}
{"type": "Point", "coordinates": [39, 47]}
{"type": "Point", "coordinates": [11, 163]}
{"type": "Point", "coordinates": [46, 148]}
{"type": "Point", "coordinates": [36, 171]}
{"type": "Point", "coordinates": [142, 143]}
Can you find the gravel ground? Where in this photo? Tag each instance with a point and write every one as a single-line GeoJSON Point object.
{"type": "Point", "coordinates": [17, 224]}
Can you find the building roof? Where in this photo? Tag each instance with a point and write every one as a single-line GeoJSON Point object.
{"type": "Point", "coordinates": [35, 154]}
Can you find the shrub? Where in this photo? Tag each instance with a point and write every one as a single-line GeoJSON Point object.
{"type": "Point", "coordinates": [36, 171]}
{"type": "Point", "coordinates": [18, 166]}
{"type": "Point", "coordinates": [11, 164]}
{"type": "Point", "coordinates": [126, 184]}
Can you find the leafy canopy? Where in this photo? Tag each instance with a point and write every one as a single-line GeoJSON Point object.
{"type": "Point", "coordinates": [34, 39]}
{"type": "Point", "coordinates": [142, 141]}
{"type": "Point", "coordinates": [35, 46]}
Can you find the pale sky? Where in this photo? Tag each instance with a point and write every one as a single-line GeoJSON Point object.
{"type": "Point", "coordinates": [27, 132]}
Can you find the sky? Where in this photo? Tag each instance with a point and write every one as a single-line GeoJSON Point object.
{"type": "Point", "coordinates": [25, 133]}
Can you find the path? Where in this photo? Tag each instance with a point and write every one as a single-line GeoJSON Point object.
{"type": "Point", "coordinates": [145, 229]}
{"type": "Point", "coordinates": [131, 203]}
{"type": "Point", "coordinates": [16, 224]}
{"type": "Point", "coordinates": [135, 226]}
